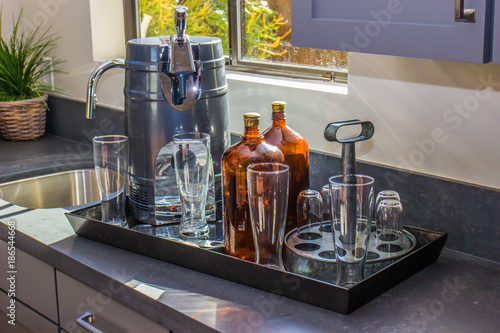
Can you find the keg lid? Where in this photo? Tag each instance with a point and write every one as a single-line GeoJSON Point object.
{"type": "Point", "coordinates": [153, 50]}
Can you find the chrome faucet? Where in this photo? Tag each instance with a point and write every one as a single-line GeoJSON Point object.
{"type": "Point", "coordinates": [92, 85]}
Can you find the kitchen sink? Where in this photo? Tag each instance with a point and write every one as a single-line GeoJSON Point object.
{"type": "Point", "coordinates": [62, 189]}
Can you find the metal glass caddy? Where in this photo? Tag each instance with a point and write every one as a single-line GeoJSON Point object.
{"type": "Point", "coordinates": [311, 282]}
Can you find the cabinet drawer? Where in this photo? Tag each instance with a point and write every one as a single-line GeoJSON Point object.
{"type": "Point", "coordinates": [26, 319]}
{"type": "Point", "coordinates": [35, 283]}
{"type": "Point", "coordinates": [75, 299]}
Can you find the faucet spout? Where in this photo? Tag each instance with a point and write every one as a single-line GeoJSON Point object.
{"type": "Point", "coordinates": [92, 85]}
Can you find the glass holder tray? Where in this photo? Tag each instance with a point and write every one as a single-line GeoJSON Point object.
{"type": "Point", "coordinates": [210, 259]}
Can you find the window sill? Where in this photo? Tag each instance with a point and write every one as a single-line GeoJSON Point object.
{"type": "Point", "coordinates": [328, 87]}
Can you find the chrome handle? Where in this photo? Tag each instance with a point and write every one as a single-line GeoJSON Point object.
{"type": "Point", "coordinates": [462, 14]}
{"type": "Point", "coordinates": [181, 14]}
{"type": "Point", "coordinates": [86, 322]}
{"type": "Point", "coordinates": [92, 85]}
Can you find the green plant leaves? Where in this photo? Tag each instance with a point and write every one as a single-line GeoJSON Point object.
{"type": "Point", "coordinates": [210, 18]}
{"type": "Point", "coordinates": [25, 59]}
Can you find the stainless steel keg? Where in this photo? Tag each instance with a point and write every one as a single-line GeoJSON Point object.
{"type": "Point", "coordinates": [173, 84]}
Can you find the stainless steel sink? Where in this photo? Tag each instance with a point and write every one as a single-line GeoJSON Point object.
{"type": "Point", "coordinates": [63, 189]}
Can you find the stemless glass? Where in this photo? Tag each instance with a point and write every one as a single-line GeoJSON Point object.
{"type": "Point", "coordinates": [389, 225]}
{"type": "Point", "coordinates": [351, 209]}
{"type": "Point", "coordinates": [111, 163]}
{"type": "Point", "coordinates": [309, 212]}
{"type": "Point", "coordinates": [268, 200]}
{"type": "Point", "coordinates": [192, 165]}
{"type": "Point", "coordinates": [326, 218]}
{"type": "Point", "coordinates": [384, 195]}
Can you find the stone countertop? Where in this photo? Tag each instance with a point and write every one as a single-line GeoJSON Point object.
{"type": "Point", "coordinates": [458, 293]}
{"type": "Point", "coordinates": [50, 154]}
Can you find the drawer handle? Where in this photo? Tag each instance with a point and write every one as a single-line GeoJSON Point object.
{"type": "Point", "coordinates": [86, 322]}
{"type": "Point", "coordinates": [462, 14]}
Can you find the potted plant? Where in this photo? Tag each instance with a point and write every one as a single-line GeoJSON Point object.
{"type": "Point", "coordinates": [24, 62]}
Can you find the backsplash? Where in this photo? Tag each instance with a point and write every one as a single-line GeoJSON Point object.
{"type": "Point", "coordinates": [468, 213]}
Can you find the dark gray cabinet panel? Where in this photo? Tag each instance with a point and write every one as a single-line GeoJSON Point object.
{"type": "Point", "coordinates": [27, 320]}
{"type": "Point", "coordinates": [35, 283]}
{"type": "Point", "coordinates": [423, 29]}
{"type": "Point", "coordinates": [75, 299]}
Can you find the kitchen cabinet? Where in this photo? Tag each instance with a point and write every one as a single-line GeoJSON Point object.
{"type": "Point", "coordinates": [39, 308]}
{"type": "Point", "coordinates": [77, 302]}
{"type": "Point", "coordinates": [495, 54]}
{"type": "Point", "coordinates": [27, 320]}
{"type": "Point", "coordinates": [423, 29]}
{"type": "Point", "coordinates": [35, 283]}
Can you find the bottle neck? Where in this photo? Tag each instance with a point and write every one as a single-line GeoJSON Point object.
{"type": "Point", "coordinates": [278, 118]}
{"type": "Point", "coordinates": [252, 132]}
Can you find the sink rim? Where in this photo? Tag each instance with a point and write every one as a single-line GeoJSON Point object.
{"type": "Point", "coordinates": [83, 175]}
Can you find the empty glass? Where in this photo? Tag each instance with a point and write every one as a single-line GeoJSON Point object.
{"type": "Point", "coordinates": [352, 209]}
{"type": "Point", "coordinates": [386, 194]}
{"type": "Point", "coordinates": [327, 219]}
{"type": "Point", "coordinates": [389, 225]}
{"type": "Point", "coordinates": [268, 201]}
{"type": "Point", "coordinates": [111, 163]}
{"type": "Point", "coordinates": [309, 212]}
{"type": "Point", "coordinates": [167, 200]}
{"type": "Point", "coordinates": [192, 165]}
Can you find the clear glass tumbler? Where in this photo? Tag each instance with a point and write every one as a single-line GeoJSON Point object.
{"type": "Point", "coordinates": [268, 201]}
{"type": "Point", "coordinates": [389, 225]}
{"type": "Point", "coordinates": [111, 166]}
{"type": "Point", "coordinates": [309, 212]}
{"type": "Point", "coordinates": [192, 165]}
{"type": "Point", "coordinates": [326, 224]}
{"type": "Point", "coordinates": [352, 210]}
{"type": "Point", "coordinates": [386, 194]}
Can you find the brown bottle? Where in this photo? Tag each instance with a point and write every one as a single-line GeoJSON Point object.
{"type": "Point", "coordinates": [238, 238]}
{"type": "Point", "coordinates": [296, 150]}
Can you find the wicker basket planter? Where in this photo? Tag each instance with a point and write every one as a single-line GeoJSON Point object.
{"type": "Point", "coordinates": [23, 120]}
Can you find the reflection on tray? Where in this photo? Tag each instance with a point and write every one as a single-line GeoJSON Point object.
{"type": "Point", "coordinates": [171, 231]}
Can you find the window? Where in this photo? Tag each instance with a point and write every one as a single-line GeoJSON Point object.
{"type": "Point", "coordinates": [255, 34]}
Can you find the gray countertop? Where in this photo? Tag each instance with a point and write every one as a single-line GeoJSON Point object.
{"type": "Point", "coordinates": [49, 154]}
{"type": "Point", "coordinates": [458, 293]}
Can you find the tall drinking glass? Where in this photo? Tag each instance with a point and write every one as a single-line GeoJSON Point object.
{"type": "Point", "coordinates": [268, 200]}
{"type": "Point", "coordinates": [111, 166]}
{"type": "Point", "coordinates": [351, 208]}
{"type": "Point", "coordinates": [192, 165]}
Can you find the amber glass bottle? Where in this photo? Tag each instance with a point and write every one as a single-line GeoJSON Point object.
{"type": "Point", "coordinates": [238, 238]}
{"type": "Point", "coordinates": [296, 150]}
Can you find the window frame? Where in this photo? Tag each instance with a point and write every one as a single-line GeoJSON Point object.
{"type": "Point", "coordinates": [233, 60]}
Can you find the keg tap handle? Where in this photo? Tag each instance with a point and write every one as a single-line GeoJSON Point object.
{"type": "Point", "coordinates": [181, 83]}
{"type": "Point", "coordinates": [181, 15]}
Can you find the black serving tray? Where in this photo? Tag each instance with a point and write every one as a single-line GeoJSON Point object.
{"type": "Point", "coordinates": [86, 224]}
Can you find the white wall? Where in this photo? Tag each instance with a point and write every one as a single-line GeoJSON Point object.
{"type": "Point", "coordinates": [71, 19]}
{"type": "Point", "coordinates": [412, 103]}
{"type": "Point", "coordinates": [8, 8]}
{"type": "Point", "coordinates": [435, 117]}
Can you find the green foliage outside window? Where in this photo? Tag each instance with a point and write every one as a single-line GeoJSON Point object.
{"type": "Point", "coordinates": [210, 18]}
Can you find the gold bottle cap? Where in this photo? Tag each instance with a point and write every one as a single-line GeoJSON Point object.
{"type": "Point", "coordinates": [251, 119]}
{"type": "Point", "coordinates": [278, 106]}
